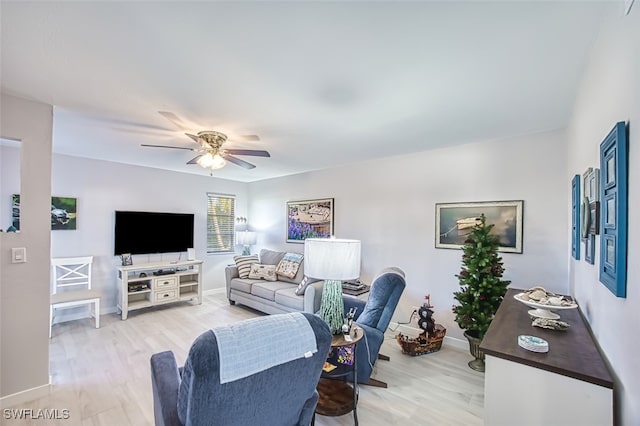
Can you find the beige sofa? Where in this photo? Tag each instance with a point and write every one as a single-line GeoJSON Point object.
{"type": "Point", "coordinates": [273, 297]}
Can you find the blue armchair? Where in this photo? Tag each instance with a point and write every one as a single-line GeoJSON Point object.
{"type": "Point", "coordinates": [203, 393]}
{"type": "Point", "coordinates": [374, 315]}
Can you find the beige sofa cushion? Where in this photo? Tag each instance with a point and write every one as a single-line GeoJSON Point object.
{"type": "Point", "coordinates": [287, 297]}
{"type": "Point", "coordinates": [270, 257]}
{"type": "Point", "coordinates": [267, 289]}
{"type": "Point", "coordinates": [242, 284]}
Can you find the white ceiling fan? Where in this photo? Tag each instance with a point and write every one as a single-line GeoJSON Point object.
{"type": "Point", "coordinates": [211, 154]}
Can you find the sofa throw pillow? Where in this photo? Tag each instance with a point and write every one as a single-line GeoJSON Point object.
{"type": "Point", "coordinates": [262, 272]}
{"type": "Point", "coordinates": [289, 265]}
{"type": "Point", "coordinates": [304, 283]}
{"type": "Point", "coordinates": [244, 264]}
{"type": "Point", "coordinates": [303, 286]}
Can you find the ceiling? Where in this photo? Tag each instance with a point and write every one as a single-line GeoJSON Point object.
{"type": "Point", "coordinates": [322, 83]}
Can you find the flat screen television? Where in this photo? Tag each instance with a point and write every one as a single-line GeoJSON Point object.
{"type": "Point", "coordinates": [152, 232]}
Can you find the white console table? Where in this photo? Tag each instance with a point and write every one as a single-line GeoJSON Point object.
{"type": "Point", "coordinates": [140, 286]}
{"type": "Point", "coordinates": [569, 385]}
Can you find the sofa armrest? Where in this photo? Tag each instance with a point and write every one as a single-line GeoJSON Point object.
{"type": "Point", "coordinates": [165, 382]}
{"type": "Point", "coordinates": [313, 297]}
{"type": "Point", "coordinates": [230, 272]}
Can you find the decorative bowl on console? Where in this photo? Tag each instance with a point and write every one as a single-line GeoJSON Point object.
{"type": "Point", "coordinates": [544, 302]}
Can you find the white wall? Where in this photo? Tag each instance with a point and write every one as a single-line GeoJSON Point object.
{"type": "Point", "coordinates": [610, 92]}
{"type": "Point", "coordinates": [24, 287]}
{"type": "Point", "coordinates": [101, 187]}
{"type": "Point", "coordinates": [390, 205]}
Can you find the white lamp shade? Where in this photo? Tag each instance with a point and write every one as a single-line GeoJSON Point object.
{"type": "Point", "coordinates": [332, 258]}
{"type": "Point", "coordinates": [246, 238]}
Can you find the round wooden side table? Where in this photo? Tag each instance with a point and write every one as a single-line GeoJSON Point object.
{"type": "Point", "coordinates": [337, 396]}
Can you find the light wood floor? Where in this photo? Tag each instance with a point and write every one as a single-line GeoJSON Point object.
{"type": "Point", "coordinates": [102, 375]}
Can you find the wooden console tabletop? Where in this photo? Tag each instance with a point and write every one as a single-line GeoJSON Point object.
{"type": "Point", "coordinates": [572, 353]}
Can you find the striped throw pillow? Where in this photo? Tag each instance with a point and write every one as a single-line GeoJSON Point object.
{"type": "Point", "coordinates": [244, 264]}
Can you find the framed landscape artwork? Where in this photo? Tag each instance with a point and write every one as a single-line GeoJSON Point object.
{"type": "Point", "coordinates": [590, 248]}
{"type": "Point", "coordinates": [575, 217]}
{"type": "Point", "coordinates": [63, 212]}
{"type": "Point", "coordinates": [590, 209]}
{"type": "Point", "coordinates": [309, 219]}
{"type": "Point", "coordinates": [454, 221]}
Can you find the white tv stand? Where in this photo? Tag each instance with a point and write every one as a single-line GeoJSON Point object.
{"type": "Point", "coordinates": [139, 288]}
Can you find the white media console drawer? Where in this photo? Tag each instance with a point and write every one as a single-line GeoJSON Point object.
{"type": "Point", "coordinates": [165, 282]}
{"type": "Point", "coordinates": [166, 295]}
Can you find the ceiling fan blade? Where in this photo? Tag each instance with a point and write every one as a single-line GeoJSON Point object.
{"type": "Point", "coordinates": [252, 152]}
{"type": "Point", "coordinates": [194, 137]}
{"type": "Point", "coordinates": [128, 123]}
{"type": "Point", "coordinates": [246, 138]}
{"type": "Point", "coordinates": [174, 119]}
{"type": "Point", "coordinates": [167, 146]}
{"type": "Point", "coordinates": [237, 161]}
{"type": "Point", "coordinates": [194, 160]}
{"type": "Point", "coordinates": [156, 134]}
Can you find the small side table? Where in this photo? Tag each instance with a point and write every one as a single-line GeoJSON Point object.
{"type": "Point", "coordinates": [336, 396]}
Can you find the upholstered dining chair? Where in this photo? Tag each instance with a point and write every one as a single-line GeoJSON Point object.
{"type": "Point", "coordinates": [374, 315]}
{"type": "Point", "coordinates": [72, 286]}
{"type": "Point", "coordinates": [260, 372]}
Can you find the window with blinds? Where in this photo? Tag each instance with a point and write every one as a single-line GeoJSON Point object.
{"type": "Point", "coordinates": [221, 213]}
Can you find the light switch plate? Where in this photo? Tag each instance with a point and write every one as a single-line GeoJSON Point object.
{"type": "Point", "coordinates": [18, 255]}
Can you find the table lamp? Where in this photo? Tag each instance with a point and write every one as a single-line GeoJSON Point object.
{"type": "Point", "coordinates": [333, 260]}
{"type": "Point", "coordinates": [246, 239]}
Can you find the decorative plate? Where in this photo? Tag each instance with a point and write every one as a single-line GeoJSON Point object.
{"type": "Point", "coordinates": [533, 344]}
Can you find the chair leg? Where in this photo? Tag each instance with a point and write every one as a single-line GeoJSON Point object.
{"type": "Point", "coordinates": [50, 319]}
{"type": "Point", "coordinates": [97, 313]}
{"type": "Point", "coordinates": [376, 383]}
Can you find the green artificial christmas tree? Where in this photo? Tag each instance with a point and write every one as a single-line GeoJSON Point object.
{"type": "Point", "coordinates": [481, 287]}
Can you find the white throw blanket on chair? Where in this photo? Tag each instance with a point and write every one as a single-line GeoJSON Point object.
{"type": "Point", "coordinates": [280, 338]}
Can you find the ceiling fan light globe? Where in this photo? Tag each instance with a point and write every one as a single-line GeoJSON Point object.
{"type": "Point", "coordinates": [217, 162]}
{"type": "Point", "coordinates": [206, 160]}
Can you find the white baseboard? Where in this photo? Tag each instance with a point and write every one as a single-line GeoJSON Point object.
{"type": "Point", "coordinates": [24, 396]}
{"type": "Point", "coordinates": [214, 291]}
{"type": "Point", "coordinates": [454, 342]}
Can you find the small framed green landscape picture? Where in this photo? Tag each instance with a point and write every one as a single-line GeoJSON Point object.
{"type": "Point", "coordinates": [64, 212]}
{"type": "Point", "coordinates": [454, 221]}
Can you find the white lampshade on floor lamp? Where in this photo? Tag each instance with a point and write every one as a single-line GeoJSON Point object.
{"type": "Point", "coordinates": [333, 260]}
{"type": "Point", "coordinates": [246, 239]}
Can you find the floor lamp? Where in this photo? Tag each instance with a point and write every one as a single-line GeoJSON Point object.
{"type": "Point", "coordinates": [333, 260]}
